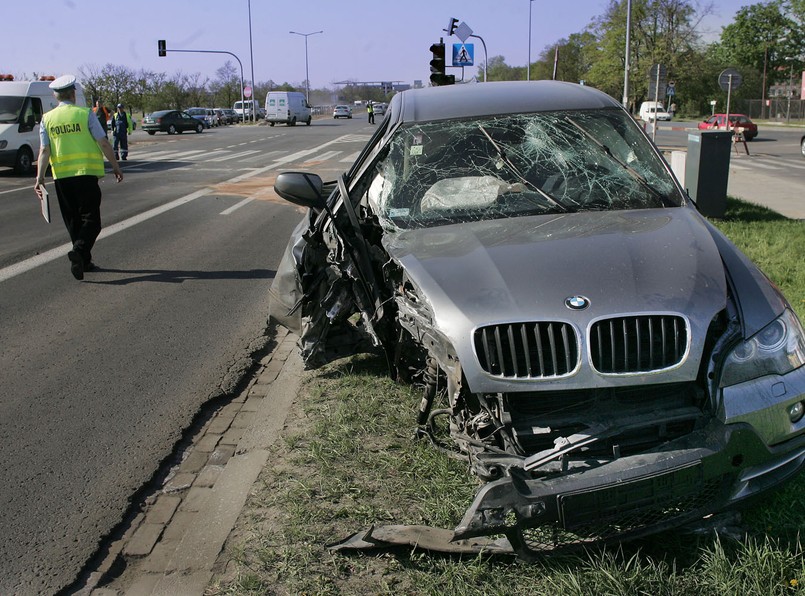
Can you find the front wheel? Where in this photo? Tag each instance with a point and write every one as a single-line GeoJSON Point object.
{"type": "Point", "coordinates": [24, 162]}
{"type": "Point", "coordinates": [171, 129]}
{"type": "Point", "coordinates": [152, 132]}
{"type": "Point", "coordinates": [271, 124]}
{"type": "Point", "coordinates": [199, 128]}
{"type": "Point", "coordinates": [308, 120]}
{"type": "Point", "coordinates": [802, 146]}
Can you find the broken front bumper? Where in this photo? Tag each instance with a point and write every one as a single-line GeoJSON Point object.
{"type": "Point", "coordinates": [703, 473]}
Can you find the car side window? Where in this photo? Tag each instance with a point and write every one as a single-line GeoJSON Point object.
{"type": "Point", "coordinates": [31, 114]}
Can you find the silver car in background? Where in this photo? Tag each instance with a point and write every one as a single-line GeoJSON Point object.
{"type": "Point", "coordinates": [608, 363]}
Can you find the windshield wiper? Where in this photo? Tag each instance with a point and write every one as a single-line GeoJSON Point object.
{"type": "Point", "coordinates": [504, 158]}
{"type": "Point", "coordinates": [629, 169]}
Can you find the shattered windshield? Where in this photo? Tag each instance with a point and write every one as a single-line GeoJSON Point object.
{"type": "Point", "coordinates": [516, 165]}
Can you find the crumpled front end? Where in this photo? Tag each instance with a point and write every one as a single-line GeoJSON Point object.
{"type": "Point", "coordinates": [686, 480]}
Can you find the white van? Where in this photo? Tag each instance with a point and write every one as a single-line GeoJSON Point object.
{"type": "Point", "coordinates": [653, 110]}
{"type": "Point", "coordinates": [245, 109]}
{"type": "Point", "coordinates": [22, 104]}
{"type": "Point", "coordinates": [289, 107]}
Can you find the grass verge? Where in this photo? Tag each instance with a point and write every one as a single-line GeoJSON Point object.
{"type": "Point", "coordinates": [348, 459]}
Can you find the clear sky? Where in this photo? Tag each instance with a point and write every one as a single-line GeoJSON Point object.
{"type": "Point", "coordinates": [373, 40]}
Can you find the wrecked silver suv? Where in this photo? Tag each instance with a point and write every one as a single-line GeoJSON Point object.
{"type": "Point", "coordinates": [604, 358]}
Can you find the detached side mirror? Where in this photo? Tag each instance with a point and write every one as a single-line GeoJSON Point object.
{"type": "Point", "coordinates": [300, 188]}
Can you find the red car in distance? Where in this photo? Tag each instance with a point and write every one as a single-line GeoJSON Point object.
{"type": "Point", "coordinates": [717, 121]}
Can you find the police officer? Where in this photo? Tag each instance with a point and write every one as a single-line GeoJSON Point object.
{"type": "Point", "coordinates": [121, 128]}
{"type": "Point", "coordinates": [73, 142]}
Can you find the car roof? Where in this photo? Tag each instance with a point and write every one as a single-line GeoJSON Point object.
{"type": "Point", "coordinates": [484, 99]}
{"type": "Point", "coordinates": [162, 112]}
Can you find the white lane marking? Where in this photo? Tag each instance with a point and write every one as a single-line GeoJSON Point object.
{"type": "Point", "coordinates": [60, 251]}
{"type": "Point", "coordinates": [350, 158]}
{"type": "Point", "coordinates": [324, 156]}
{"type": "Point", "coordinates": [234, 208]}
{"type": "Point", "coordinates": [235, 155]}
{"type": "Point", "coordinates": [31, 188]}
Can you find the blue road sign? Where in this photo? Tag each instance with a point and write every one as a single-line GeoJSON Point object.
{"type": "Point", "coordinates": [463, 54]}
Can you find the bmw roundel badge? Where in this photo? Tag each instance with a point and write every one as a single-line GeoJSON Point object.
{"type": "Point", "coordinates": [577, 302]}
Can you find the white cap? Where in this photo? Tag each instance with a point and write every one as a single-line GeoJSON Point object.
{"type": "Point", "coordinates": [63, 83]}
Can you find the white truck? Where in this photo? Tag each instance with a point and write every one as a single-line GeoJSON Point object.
{"type": "Point", "coordinates": [22, 104]}
{"type": "Point", "coordinates": [288, 107]}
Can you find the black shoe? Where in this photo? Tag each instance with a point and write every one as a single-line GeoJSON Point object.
{"type": "Point", "coordinates": [76, 264]}
{"type": "Point", "coordinates": [124, 158]}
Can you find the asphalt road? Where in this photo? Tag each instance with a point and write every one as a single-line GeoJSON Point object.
{"type": "Point", "coordinates": [101, 377]}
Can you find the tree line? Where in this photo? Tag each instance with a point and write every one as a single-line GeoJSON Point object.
{"type": "Point", "coordinates": [765, 42]}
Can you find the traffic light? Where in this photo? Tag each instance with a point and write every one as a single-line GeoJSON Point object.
{"type": "Point", "coordinates": [437, 66]}
{"type": "Point", "coordinates": [451, 28]}
{"type": "Point", "coordinates": [163, 50]}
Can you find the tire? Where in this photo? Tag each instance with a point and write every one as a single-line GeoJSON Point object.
{"type": "Point", "coordinates": [24, 162]}
{"type": "Point", "coordinates": [172, 129]}
{"type": "Point", "coordinates": [199, 128]}
{"type": "Point", "coordinates": [802, 146]}
{"type": "Point", "coordinates": [271, 124]}
{"type": "Point", "coordinates": [292, 122]}
{"type": "Point", "coordinates": [309, 119]}
{"type": "Point", "coordinates": [152, 132]}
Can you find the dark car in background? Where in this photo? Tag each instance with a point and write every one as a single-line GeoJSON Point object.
{"type": "Point", "coordinates": [204, 115]}
{"type": "Point", "coordinates": [171, 121]}
{"type": "Point", "coordinates": [600, 355]}
{"type": "Point", "coordinates": [739, 122]}
{"type": "Point", "coordinates": [230, 115]}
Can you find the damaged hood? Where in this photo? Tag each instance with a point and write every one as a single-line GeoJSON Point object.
{"type": "Point", "coordinates": [661, 261]}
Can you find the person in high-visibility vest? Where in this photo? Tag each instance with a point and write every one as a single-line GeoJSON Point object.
{"type": "Point", "coordinates": [73, 142]}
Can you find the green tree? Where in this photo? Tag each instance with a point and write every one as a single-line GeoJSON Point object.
{"type": "Point", "coordinates": [663, 32]}
{"type": "Point", "coordinates": [762, 37]}
{"type": "Point", "coordinates": [225, 88]}
{"type": "Point", "coordinates": [571, 56]}
{"type": "Point", "coordinates": [498, 70]}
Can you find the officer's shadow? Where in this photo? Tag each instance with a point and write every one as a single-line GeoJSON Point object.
{"type": "Point", "coordinates": [170, 276]}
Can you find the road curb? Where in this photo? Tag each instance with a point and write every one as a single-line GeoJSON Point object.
{"type": "Point", "coordinates": [172, 546]}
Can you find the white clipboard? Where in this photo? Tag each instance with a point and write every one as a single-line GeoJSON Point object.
{"type": "Point", "coordinates": [45, 203]}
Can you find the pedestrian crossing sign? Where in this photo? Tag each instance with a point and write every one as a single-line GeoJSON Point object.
{"type": "Point", "coordinates": [463, 54]}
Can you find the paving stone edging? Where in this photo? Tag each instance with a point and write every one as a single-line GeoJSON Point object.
{"type": "Point", "coordinates": [171, 547]}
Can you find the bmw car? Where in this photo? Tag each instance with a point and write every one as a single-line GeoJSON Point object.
{"type": "Point", "coordinates": [605, 360]}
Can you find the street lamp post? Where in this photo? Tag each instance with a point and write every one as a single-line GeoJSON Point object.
{"type": "Point", "coordinates": [626, 55]}
{"type": "Point", "coordinates": [528, 76]}
{"type": "Point", "coordinates": [307, 75]}
{"type": "Point", "coordinates": [251, 62]}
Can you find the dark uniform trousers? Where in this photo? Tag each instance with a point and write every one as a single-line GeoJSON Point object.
{"type": "Point", "coordinates": [80, 205]}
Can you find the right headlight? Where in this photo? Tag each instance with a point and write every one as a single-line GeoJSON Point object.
{"type": "Point", "coordinates": [778, 348]}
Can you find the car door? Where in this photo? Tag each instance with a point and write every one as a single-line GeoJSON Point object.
{"type": "Point", "coordinates": [186, 121]}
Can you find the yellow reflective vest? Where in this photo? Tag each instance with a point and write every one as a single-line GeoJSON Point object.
{"type": "Point", "coordinates": [73, 151]}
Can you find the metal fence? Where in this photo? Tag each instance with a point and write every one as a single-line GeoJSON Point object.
{"type": "Point", "coordinates": [778, 109]}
